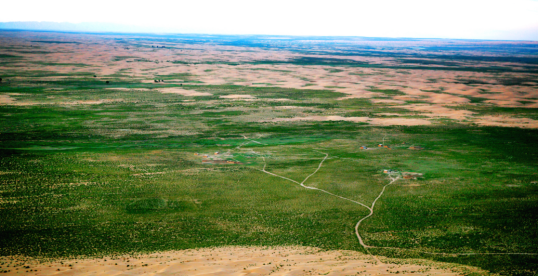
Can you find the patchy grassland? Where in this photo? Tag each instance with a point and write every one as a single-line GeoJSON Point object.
{"type": "Point", "coordinates": [122, 177]}
{"type": "Point", "coordinates": [90, 168]}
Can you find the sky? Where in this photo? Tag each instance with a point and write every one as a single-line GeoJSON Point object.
{"type": "Point", "coordinates": [465, 19]}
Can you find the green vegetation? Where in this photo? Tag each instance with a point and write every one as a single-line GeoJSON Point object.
{"type": "Point", "coordinates": [335, 70]}
{"type": "Point", "coordinates": [120, 58]}
{"type": "Point", "coordinates": [57, 64]}
{"type": "Point", "coordinates": [5, 56]}
{"type": "Point", "coordinates": [93, 194]}
{"type": "Point", "coordinates": [496, 110]}
{"type": "Point", "coordinates": [266, 92]}
{"type": "Point", "coordinates": [86, 169]}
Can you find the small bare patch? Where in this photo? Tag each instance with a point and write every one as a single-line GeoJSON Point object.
{"type": "Point", "coordinates": [143, 174]}
{"type": "Point", "coordinates": [237, 96]}
{"type": "Point", "coordinates": [128, 89]}
{"type": "Point", "coordinates": [288, 107]}
{"type": "Point", "coordinates": [505, 121]}
{"type": "Point", "coordinates": [183, 92]}
{"type": "Point", "coordinates": [6, 100]}
{"type": "Point", "coordinates": [91, 102]}
{"type": "Point", "coordinates": [373, 121]}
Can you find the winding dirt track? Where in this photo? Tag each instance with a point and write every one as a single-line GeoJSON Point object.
{"type": "Point", "coordinates": [371, 209]}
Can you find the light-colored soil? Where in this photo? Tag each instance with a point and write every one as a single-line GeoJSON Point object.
{"type": "Point", "coordinates": [234, 261]}
{"type": "Point", "coordinates": [440, 91]}
{"type": "Point", "coordinates": [439, 111]}
{"type": "Point", "coordinates": [372, 121]}
{"type": "Point", "coordinates": [235, 96]}
{"type": "Point", "coordinates": [127, 89]}
{"type": "Point", "coordinates": [6, 100]}
{"type": "Point", "coordinates": [506, 121]}
{"type": "Point", "coordinates": [183, 92]}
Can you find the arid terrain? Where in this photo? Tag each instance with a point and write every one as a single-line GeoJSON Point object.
{"type": "Point", "coordinates": [255, 155]}
{"type": "Point", "coordinates": [430, 92]}
{"type": "Point", "coordinates": [236, 261]}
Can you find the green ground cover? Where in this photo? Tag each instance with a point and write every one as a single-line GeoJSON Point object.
{"type": "Point", "coordinates": [122, 177]}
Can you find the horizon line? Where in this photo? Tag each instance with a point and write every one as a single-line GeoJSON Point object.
{"type": "Point", "coordinates": [217, 34]}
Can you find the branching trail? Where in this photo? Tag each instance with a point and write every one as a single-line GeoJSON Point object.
{"type": "Point", "coordinates": [370, 208]}
{"type": "Point", "coordinates": [309, 187]}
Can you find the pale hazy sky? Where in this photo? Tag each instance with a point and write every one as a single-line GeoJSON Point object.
{"type": "Point", "coordinates": [476, 19]}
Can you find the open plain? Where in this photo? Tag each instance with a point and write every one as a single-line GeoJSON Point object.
{"type": "Point", "coordinates": [285, 155]}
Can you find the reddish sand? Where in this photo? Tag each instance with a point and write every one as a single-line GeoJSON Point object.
{"type": "Point", "coordinates": [441, 92]}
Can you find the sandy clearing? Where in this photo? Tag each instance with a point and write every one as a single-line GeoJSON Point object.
{"type": "Point", "coordinates": [236, 261]}
{"type": "Point", "coordinates": [505, 121]}
{"type": "Point", "coordinates": [438, 111]}
{"type": "Point", "coordinates": [373, 121]}
{"type": "Point", "coordinates": [390, 114]}
{"type": "Point", "coordinates": [183, 92]}
{"type": "Point", "coordinates": [237, 96]}
{"type": "Point", "coordinates": [127, 89]}
{"type": "Point", "coordinates": [388, 101]}
{"type": "Point", "coordinates": [398, 122]}
{"type": "Point", "coordinates": [288, 107]}
{"type": "Point", "coordinates": [6, 100]}
{"type": "Point", "coordinates": [446, 98]}
{"type": "Point", "coordinates": [90, 102]}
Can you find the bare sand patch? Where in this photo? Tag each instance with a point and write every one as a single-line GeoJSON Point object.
{"type": "Point", "coordinates": [279, 100]}
{"type": "Point", "coordinates": [236, 261]}
{"type": "Point", "coordinates": [237, 96]}
{"type": "Point", "coordinates": [390, 114]}
{"type": "Point", "coordinates": [288, 107]}
{"type": "Point", "coordinates": [6, 99]}
{"type": "Point", "coordinates": [90, 102]}
{"type": "Point", "coordinates": [183, 92]}
{"type": "Point", "coordinates": [322, 118]}
{"type": "Point", "coordinates": [436, 111]}
{"type": "Point", "coordinates": [447, 98]}
{"type": "Point", "coordinates": [505, 121]}
{"type": "Point", "coordinates": [127, 89]}
{"type": "Point", "coordinates": [373, 121]}
{"type": "Point", "coordinates": [389, 101]}
{"type": "Point", "coordinates": [398, 122]}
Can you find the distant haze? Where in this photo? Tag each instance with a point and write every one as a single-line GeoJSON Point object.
{"type": "Point", "coordinates": [466, 19]}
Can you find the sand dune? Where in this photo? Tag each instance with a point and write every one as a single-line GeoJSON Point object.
{"type": "Point", "coordinates": [234, 261]}
{"type": "Point", "coordinates": [435, 90]}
